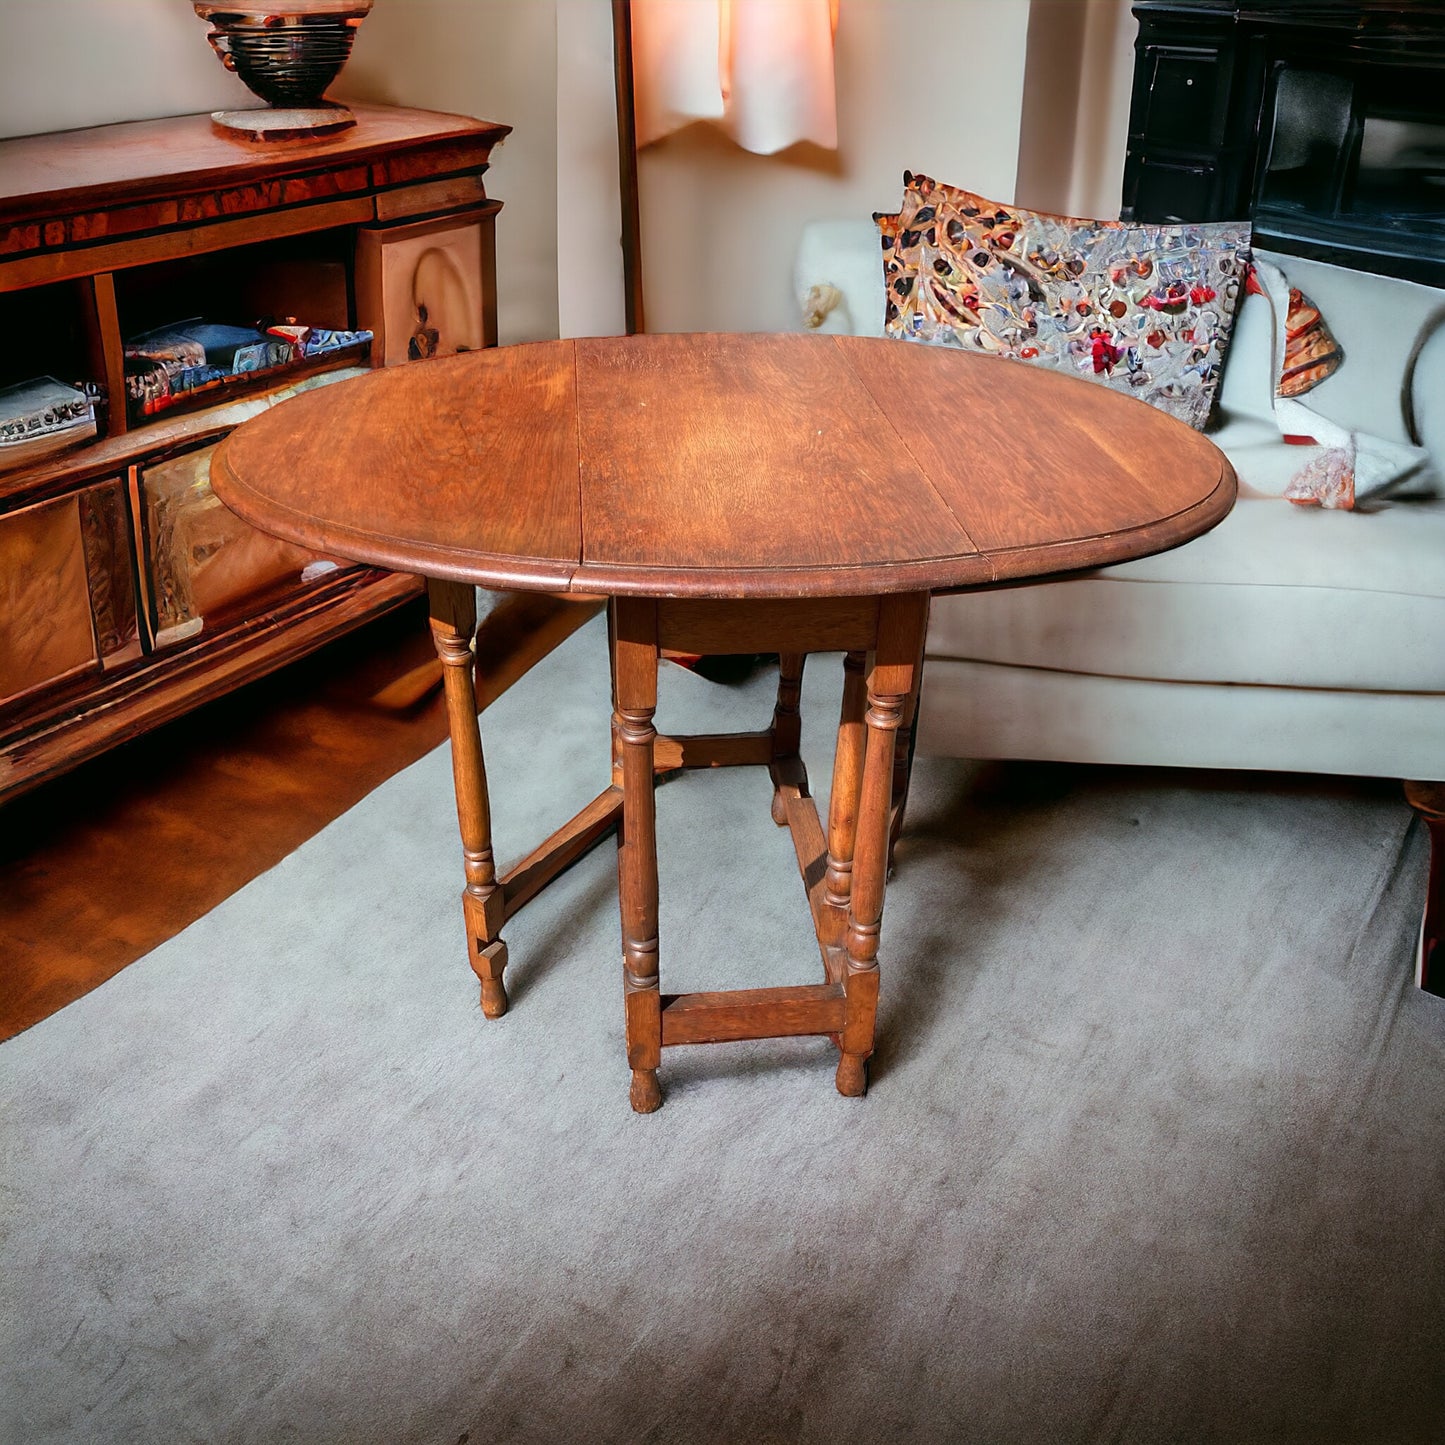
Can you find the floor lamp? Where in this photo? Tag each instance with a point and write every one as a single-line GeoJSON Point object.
{"type": "Point", "coordinates": [627, 165]}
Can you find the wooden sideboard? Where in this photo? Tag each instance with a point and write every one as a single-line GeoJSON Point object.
{"type": "Point", "coordinates": [130, 593]}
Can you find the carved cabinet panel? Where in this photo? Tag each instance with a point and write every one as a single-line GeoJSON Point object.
{"type": "Point", "coordinates": [203, 564]}
{"type": "Point", "coordinates": [69, 598]}
{"type": "Point", "coordinates": [420, 289]}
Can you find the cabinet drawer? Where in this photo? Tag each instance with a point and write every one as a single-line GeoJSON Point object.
{"type": "Point", "coordinates": [203, 565]}
{"type": "Point", "coordinates": [69, 590]}
{"type": "Point", "coordinates": [45, 632]}
{"type": "Point", "coordinates": [1186, 92]}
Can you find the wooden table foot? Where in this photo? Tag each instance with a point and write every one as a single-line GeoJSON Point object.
{"type": "Point", "coordinates": [489, 963]}
{"type": "Point", "coordinates": [901, 622]}
{"type": "Point", "coordinates": [634, 683]}
{"type": "Point", "coordinates": [843, 873]}
{"type": "Point", "coordinates": [852, 1076]}
{"type": "Point", "coordinates": [844, 794]}
{"type": "Point", "coordinates": [646, 1092]}
{"type": "Point", "coordinates": [903, 752]}
{"type": "Point", "coordinates": [488, 899]}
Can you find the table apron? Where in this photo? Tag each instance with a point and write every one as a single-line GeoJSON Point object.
{"type": "Point", "coordinates": [710, 626]}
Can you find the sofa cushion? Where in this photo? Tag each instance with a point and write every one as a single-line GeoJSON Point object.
{"type": "Point", "coordinates": [1351, 464]}
{"type": "Point", "coordinates": [992, 710]}
{"type": "Point", "coordinates": [1251, 418]}
{"type": "Point", "coordinates": [1311, 353]}
{"type": "Point", "coordinates": [1266, 466]}
{"type": "Point", "coordinates": [1272, 595]}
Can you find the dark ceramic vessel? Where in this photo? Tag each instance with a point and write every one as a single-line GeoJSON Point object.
{"type": "Point", "coordinates": [287, 56]}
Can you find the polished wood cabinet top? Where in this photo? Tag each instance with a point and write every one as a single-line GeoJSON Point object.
{"type": "Point", "coordinates": [47, 175]}
{"type": "Point", "coordinates": [724, 466]}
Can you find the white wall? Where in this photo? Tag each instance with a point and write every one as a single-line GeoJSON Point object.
{"type": "Point", "coordinates": [70, 63]}
{"type": "Point", "coordinates": [590, 283]}
{"type": "Point", "coordinates": [932, 85]}
{"type": "Point", "coordinates": [1101, 132]}
{"type": "Point", "coordinates": [1076, 106]}
{"type": "Point", "coordinates": [1052, 82]}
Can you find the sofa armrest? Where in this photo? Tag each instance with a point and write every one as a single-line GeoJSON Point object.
{"type": "Point", "coordinates": [845, 256]}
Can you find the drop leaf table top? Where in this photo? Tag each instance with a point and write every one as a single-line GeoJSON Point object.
{"type": "Point", "coordinates": [725, 466]}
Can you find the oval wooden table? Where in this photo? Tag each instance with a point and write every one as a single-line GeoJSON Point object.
{"type": "Point", "coordinates": [768, 493]}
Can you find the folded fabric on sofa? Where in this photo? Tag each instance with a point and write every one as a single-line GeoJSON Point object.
{"type": "Point", "coordinates": [1337, 463]}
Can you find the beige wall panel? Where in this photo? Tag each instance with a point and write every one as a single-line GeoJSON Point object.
{"type": "Point", "coordinates": [71, 63]}
{"type": "Point", "coordinates": [1101, 133]}
{"type": "Point", "coordinates": [590, 284]}
{"type": "Point", "coordinates": [1075, 119]}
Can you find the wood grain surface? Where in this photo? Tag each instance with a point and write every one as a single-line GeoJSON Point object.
{"type": "Point", "coordinates": [757, 451]}
{"type": "Point", "coordinates": [463, 472]}
{"type": "Point", "coordinates": [45, 625]}
{"type": "Point", "coordinates": [1009, 445]}
{"type": "Point", "coordinates": [43, 175]}
{"type": "Point", "coordinates": [725, 466]}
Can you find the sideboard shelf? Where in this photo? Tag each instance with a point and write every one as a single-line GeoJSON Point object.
{"type": "Point", "coordinates": [131, 594]}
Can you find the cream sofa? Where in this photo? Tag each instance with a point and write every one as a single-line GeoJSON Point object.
{"type": "Point", "coordinates": [1287, 638]}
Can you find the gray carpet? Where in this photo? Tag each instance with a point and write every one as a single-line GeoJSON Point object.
{"type": "Point", "coordinates": [1155, 1147]}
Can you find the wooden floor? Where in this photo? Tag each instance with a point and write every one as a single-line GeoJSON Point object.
{"type": "Point", "coordinates": [100, 866]}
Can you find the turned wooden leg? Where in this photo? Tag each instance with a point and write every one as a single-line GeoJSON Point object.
{"type": "Point", "coordinates": [453, 624]}
{"type": "Point", "coordinates": [635, 701]}
{"type": "Point", "coordinates": [843, 796]}
{"type": "Point", "coordinates": [901, 623]}
{"type": "Point", "coordinates": [1428, 800]}
{"type": "Point", "coordinates": [788, 730]}
{"type": "Point", "coordinates": [903, 752]}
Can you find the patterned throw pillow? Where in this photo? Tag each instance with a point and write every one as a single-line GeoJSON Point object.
{"type": "Point", "coordinates": [900, 274]}
{"type": "Point", "coordinates": [1142, 309]}
{"type": "Point", "coordinates": [903, 233]}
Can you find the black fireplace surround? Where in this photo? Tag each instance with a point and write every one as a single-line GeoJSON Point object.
{"type": "Point", "coordinates": [1321, 120]}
